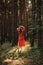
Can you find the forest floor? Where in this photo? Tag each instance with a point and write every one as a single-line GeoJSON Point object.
{"type": "Point", "coordinates": [29, 56]}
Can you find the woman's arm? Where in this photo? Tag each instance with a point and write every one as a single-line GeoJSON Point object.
{"type": "Point", "coordinates": [18, 30]}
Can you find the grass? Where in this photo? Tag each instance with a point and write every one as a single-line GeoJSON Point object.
{"type": "Point", "coordinates": [32, 56]}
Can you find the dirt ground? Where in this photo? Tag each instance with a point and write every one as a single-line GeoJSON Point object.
{"type": "Point", "coordinates": [19, 61]}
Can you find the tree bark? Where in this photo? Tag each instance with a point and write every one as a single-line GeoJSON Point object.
{"type": "Point", "coordinates": [40, 30]}
{"type": "Point", "coordinates": [14, 24]}
{"type": "Point", "coordinates": [32, 36]}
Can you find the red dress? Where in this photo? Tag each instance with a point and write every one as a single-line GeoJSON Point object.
{"type": "Point", "coordinates": [21, 41]}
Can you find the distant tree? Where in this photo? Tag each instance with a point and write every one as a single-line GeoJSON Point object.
{"type": "Point", "coordinates": [40, 30]}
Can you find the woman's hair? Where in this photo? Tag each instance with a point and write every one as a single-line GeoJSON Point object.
{"type": "Point", "coordinates": [20, 30]}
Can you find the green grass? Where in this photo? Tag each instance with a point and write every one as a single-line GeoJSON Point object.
{"type": "Point", "coordinates": [5, 46]}
{"type": "Point", "coordinates": [33, 56]}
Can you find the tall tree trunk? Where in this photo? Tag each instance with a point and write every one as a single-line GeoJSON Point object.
{"type": "Point", "coordinates": [22, 11]}
{"type": "Point", "coordinates": [32, 37]}
{"type": "Point", "coordinates": [4, 22]}
{"type": "Point", "coordinates": [40, 31]}
{"type": "Point", "coordinates": [14, 24]}
{"type": "Point", "coordinates": [1, 32]}
{"type": "Point", "coordinates": [1, 24]}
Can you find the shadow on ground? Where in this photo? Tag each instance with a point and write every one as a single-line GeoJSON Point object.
{"type": "Point", "coordinates": [29, 56]}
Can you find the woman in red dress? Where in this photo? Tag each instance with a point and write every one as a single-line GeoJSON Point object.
{"type": "Point", "coordinates": [21, 32]}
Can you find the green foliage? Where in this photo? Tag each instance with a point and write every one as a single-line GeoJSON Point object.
{"type": "Point", "coordinates": [32, 56]}
{"type": "Point", "coordinates": [5, 46]}
{"type": "Point", "coordinates": [34, 53]}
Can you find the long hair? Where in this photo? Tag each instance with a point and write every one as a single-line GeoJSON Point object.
{"type": "Point", "coordinates": [20, 30]}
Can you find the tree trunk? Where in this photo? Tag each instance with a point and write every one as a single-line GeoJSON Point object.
{"type": "Point", "coordinates": [40, 31]}
{"type": "Point", "coordinates": [14, 24]}
{"type": "Point", "coordinates": [32, 36]}
{"type": "Point", "coordinates": [22, 11]}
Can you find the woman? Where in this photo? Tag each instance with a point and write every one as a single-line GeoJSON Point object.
{"type": "Point", "coordinates": [21, 32]}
